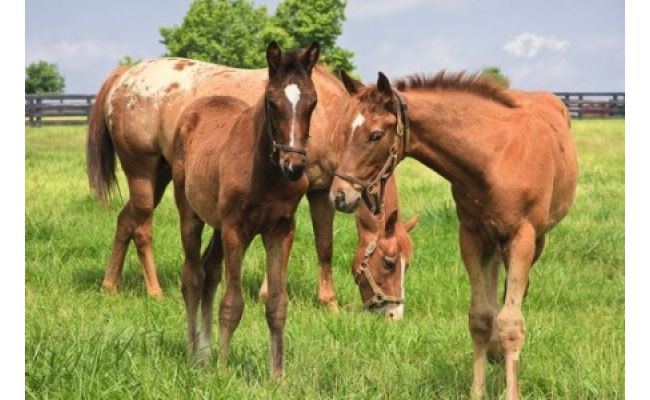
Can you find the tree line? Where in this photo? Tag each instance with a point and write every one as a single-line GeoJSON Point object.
{"type": "Point", "coordinates": [235, 33]}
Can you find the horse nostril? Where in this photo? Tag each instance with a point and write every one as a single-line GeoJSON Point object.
{"type": "Point", "coordinates": [287, 165]}
{"type": "Point", "coordinates": [340, 197]}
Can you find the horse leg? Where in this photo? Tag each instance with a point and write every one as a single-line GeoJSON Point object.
{"type": "Point", "coordinates": [142, 192]}
{"type": "Point", "coordinates": [491, 270]}
{"type": "Point", "coordinates": [277, 243]}
{"type": "Point", "coordinates": [232, 303]}
{"type": "Point", "coordinates": [137, 215]}
{"type": "Point", "coordinates": [123, 236]}
{"type": "Point", "coordinates": [212, 266]}
{"type": "Point", "coordinates": [519, 254]}
{"type": "Point", "coordinates": [322, 218]}
{"type": "Point", "coordinates": [192, 274]}
{"type": "Point", "coordinates": [478, 256]}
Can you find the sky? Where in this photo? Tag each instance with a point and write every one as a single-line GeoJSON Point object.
{"type": "Point", "coordinates": [554, 45]}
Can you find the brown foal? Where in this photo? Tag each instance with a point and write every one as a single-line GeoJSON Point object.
{"type": "Point", "coordinates": [240, 170]}
{"type": "Point", "coordinates": [135, 116]}
{"type": "Point", "coordinates": [511, 162]}
{"type": "Point", "coordinates": [384, 252]}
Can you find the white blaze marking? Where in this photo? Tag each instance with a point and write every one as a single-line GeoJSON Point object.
{"type": "Point", "coordinates": [358, 121]}
{"type": "Point", "coordinates": [293, 95]}
{"type": "Point", "coordinates": [399, 310]}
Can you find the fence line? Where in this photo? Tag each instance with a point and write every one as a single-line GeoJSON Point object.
{"type": "Point", "coordinates": [56, 109]}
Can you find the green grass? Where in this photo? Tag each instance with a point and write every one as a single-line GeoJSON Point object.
{"type": "Point", "coordinates": [83, 343]}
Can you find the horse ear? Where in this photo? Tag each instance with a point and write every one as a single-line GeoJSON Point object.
{"type": "Point", "coordinates": [273, 56]}
{"type": "Point", "coordinates": [389, 227]}
{"type": "Point", "coordinates": [410, 224]}
{"type": "Point", "coordinates": [309, 56]}
{"type": "Point", "coordinates": [383, 84]}
{"type": "Point", "coordinates": [352, 85]}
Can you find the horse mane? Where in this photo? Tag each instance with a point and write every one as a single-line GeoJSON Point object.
{"type": "Point", "coordinates": [475, 83]}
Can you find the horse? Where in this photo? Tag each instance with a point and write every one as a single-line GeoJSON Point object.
{"type": "Point", "coordinates": [511, 161]}
{"type": "Point", "coordinates": [384, 253]}
{"type": "Point", "coordinates": [240, 169]}
{"type": "Point", "coordinates": [134, 117]}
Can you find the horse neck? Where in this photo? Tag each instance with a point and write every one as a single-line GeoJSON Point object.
{"type": "Point", "coordinates": [451, 134]}
{"type": "Point", "coordinates": [263, 146]}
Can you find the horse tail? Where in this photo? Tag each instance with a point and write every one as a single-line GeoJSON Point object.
{"type": "Point", "coordinates": [100, 153]}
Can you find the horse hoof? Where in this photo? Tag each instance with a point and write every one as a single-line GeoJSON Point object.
{"type": "Point", "coordinates": [109, 287]}
{"type": "Point", "coordinates": [332, 306]}
{"type": "Point", "coordinates": [156, 294]}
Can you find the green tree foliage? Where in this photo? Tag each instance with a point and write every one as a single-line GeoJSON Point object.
{"type": "Point", "coordinates": [319, 20]}
{"type": "Point", "coordinates": [43, 77]}
{"type": "Point", "coordinates": [127, 60]}
{"type": "Point", "coordinates": [495, 74]}
{"type": "Point", "coordinates": [236, 32]}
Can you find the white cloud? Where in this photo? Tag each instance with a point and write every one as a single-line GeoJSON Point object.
{"type": "Point", "coordinates": [528, 45]}
{"type": "Point", "coordinates": [381, 8]}
{"type": "Point", "coordinates": [552, 74]}
{"type": "Point", "coordinates": [74, 55]}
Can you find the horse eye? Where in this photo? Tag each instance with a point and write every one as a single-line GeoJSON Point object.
{"type": "Point", "coordinates": [388, 263]}
{"type": "Point", "coordinates": [375, 136]}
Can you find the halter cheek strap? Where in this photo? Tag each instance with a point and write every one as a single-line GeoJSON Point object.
{"type": "Point", "coordinates": [379, 298]}
{"type": "Point", "coordinates": [275, 146]}
{"type": "Point", "coordinates": [372, 191]}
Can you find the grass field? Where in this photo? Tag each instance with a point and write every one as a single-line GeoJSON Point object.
{"type": "Point", "coordinates": [83, 343]}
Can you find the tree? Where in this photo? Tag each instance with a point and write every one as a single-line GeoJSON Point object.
{"type": "Point", "coordinates": [230, 32]}
{"type": "Point", "coordinates": [127, 60]}
{"type": "Point", "coordinates": [43, 77]}
{"type": "Point", "coordinates": [236, 32]}
{"type": "Point", "coordinates": [495, 74]}
{"type": "Point", "coordinates": [320, 20]}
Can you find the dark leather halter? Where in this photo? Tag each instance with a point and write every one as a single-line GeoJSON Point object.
{"type": "Point", "coordinates": [379, 298]}
{"type": "Point", "coordinates": [275, 146]}
{"type": "Point", "coordinates": [372, 190]}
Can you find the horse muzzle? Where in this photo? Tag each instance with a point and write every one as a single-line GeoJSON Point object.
{"type": "Point", "coordinates": [292, 165]}
{"type": "Point", "coordinates": [343, 196]}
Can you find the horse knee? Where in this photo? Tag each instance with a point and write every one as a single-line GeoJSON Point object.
{"type": "Point", "coordinates": [481, 322]}
{"type": "Point", "coordinates": [511, 329]}
{"type": "Point", "coordinates": [231, 310]}
{"type": "Point", "coordinates": [276, 312]}
{"type": "Point", "coordinates": [142, 235]}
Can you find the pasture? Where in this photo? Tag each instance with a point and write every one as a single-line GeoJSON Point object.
{"type": "Point", "coordinates": [83, 343]}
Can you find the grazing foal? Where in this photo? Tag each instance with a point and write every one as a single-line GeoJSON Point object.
{"type": "Point", "coordinates": [240, 170]}
{"type": "Point", "coordinates": [511, 162]}
{"type": "Point", "coordinates": [384, 252]}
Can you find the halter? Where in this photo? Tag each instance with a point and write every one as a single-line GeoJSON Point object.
{"type": "Point", "coordinates": [372, 191]}
{"type": "Point", "coordinates": [379, 298]}
{"type": "Point", "coordinates": [275, 146]}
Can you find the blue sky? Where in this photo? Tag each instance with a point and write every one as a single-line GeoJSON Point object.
{"type": "Point", "coordinates": [550, 44]}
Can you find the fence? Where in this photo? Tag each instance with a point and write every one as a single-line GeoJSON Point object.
{"type": "Point", "coordinates": [594, 104]}
{"type": "Point", "coordinates": [58, 109]}
{"type": "Point", "coordinates": [69, 109]}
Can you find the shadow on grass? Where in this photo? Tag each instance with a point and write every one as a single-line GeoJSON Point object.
{"type": "Point", "coordinates": [132, 281]}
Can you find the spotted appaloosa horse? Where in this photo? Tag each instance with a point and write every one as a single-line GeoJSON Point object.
{"type": "Point", "coordinates": [511, 162]}
{"type": "Point", "coordinates": [240, 170]}
{"type": "Point", "coordinates": [135, 116]}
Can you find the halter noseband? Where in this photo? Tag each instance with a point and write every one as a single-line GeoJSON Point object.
{"type": "Point", "coordinates": [379, 298]}
{"type": "Point", "coordinates": [372, 191]}
{"type": "Point", "coordinates": [275, 146]}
